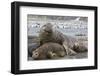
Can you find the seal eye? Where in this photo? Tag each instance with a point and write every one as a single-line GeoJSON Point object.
{"type": "Point", "coordinates": [35, 54]}
{"type": "Point", "coordinates": [54, 55]}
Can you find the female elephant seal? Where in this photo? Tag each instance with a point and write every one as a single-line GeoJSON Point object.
{"type": "Point", "coordinates": [49, 51]}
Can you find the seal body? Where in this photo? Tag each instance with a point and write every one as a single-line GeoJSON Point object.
{"type": "Point", "coordinates": [49, 51]}
{"type": "Point", "coordinates": [49, 34]}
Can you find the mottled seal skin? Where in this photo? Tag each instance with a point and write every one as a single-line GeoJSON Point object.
{"type": "Point", "coordinates": [49, 51]}
{"type": "Point", "coordinates": [80, 48]}
{"type": "Point", "coordinates": [49, 34]}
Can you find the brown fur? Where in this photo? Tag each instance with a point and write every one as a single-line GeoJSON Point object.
{"type": "Point", "coordinates": [50, 34]}
{"type": "Point", "coordinates": [49, 51]}
{"type": "Point", "coordinates": [47, 34]}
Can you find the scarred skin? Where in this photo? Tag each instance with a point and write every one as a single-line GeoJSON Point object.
{"type": "Point", "coordinates": [49, 51]}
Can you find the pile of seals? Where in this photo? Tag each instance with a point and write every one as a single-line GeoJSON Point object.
{"type": "Point", "coordinates": [54, 44]}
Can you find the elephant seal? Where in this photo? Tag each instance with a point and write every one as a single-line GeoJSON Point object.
{"type": "Point", "coordinates": [49, 51]}
{"type": "Point", "coordinates": [48, 33]}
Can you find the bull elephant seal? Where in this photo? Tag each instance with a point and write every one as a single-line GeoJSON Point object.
{"type": "Point", "coordinates": [49, 34]}
{"type": "Point", "coordinates": [49, 51]}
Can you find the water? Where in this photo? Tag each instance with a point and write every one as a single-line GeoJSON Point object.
{"type": "Point", "coordinates": [67, 31]}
